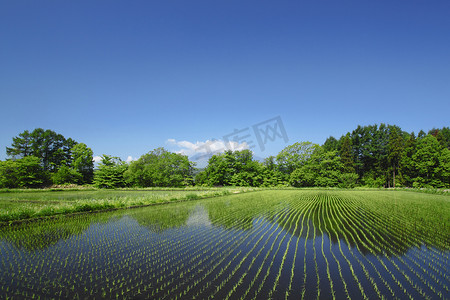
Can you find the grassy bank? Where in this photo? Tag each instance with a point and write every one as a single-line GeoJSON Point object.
{"type": "Point", "coordinates": [27, 204]}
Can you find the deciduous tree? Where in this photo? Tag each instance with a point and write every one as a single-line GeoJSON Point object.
{"type": "Point", "coordinates": [110, 172]}
{"type": "Point", "coordinates": [160, 168]}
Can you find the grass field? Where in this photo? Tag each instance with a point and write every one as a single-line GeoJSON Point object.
{"type": "Point", "coordinates": [285, 244]}
{"type": "Point", "coordinates": [26, 204]}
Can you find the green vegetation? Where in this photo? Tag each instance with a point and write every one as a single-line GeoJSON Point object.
{"type": "Point", "coordinates": [21, 173]}
{"type": "Point", "coordinates": [110, 173]}
{"type": "Point", "coordinates": [44, 157]}
{"type": "Point", "coordinates": [283, 244]}
{"type": "Point", "coordinates": [369, 156]}
{"type": "Point", "coordinates": [160, 168]}
{"type": "Point", "coordinates": [26, 204]}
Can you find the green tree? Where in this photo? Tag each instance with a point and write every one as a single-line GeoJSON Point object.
{"type": "Point", "coordinates": [421, 135]}
{"type": "Point", "coordinates": [50, 147]}
{"type": "Point", "coordinates": [161, 168]}
{"type": "Point", "coordinates": [25, 172]}
{"type": "Point", "coordinates": [303, 176]}
{"type": "Point", "coordinates": [233, 168]}
{"type": "Point", "coordinates": [443, 171]}
{"type": "Point", "coordinates": [329, 167]}
{"type": "Point", "coordinates": [347, 180]}
{"type": "Point", "coordinates": [83, 162]}
{"type": "Point", "coordinates": [270, 162]}
{"type": "Point", "coordinates": [395, 150]}
{"type": "Point", "coordinates": [295, 156]}
{"type": "Point", "coordinates": [272, 177]}
{"type": "Point", "coordinates": [201, 178]}
{"type": "Point", "coordinates": [443, 136]}
{"type": "Point", "coordinates": [407, 167]}
{"type": "Point", "coordinates": [324, 169]}
{"type": "Point", "coordinates": [426, 160]}
{"type": "Point", "coordinates": [110, 172]}
{"type": "Point", "coordinates": [346, 154]}
{"type": "Point", "coordinates": [370, 145]}
{"type": "Point", "coordinates": [66, 174]}
{"type": "Point", "coordinates": [331, 144]}
{"type": "Point", "coordinates": [21, 146]}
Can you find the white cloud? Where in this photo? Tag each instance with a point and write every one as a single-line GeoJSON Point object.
{"type": "Point", "coordinates": [130, 159]}
{"type": "Point", "coordinates": [209, 147]}
{"type": "Point", "coordinates": [97, 159]}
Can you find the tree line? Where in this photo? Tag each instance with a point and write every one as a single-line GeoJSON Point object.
{"type": "Point", "coordinates": [374, 156]}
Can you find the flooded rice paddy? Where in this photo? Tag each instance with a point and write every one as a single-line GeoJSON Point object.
{"type": "Point", "coordinates": [286, 244]}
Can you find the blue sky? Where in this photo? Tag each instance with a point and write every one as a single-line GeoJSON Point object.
{"type": "Point", "coordinates": [125, 77]}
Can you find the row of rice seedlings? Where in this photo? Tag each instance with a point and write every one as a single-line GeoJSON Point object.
{"type": "Point", "coordinates": [393, 243]}
{"type": "Point", "coordinates": [378, 274]}
{"type": "Point", "coordinates": [350, 215]}
{"type": "Point", "coordinates": [258, 232]}
{"type": "Point", "coordinates": [291, 278]}
{"type": "Point", "coordinates": [356, 236]}
{"type": "Point", "coordinates": [424, 216]}
{"type": "Point", "coordinates": [209, 278]}
{"type": "Point", "coordinates": [315, 256]}
{"type": "Point", "coordinates": [193, 260]}
{"type": "Point", "coordinates": [303, 293]}
{"type": "Point", "coordinates": [283, 214]}
{"type": "Point", "coordinates": [261, 265]}
{"type": "Point", "coordinates": [321, 216]}
{"type": "Point", "coordinates": [223, 269]}
{"type": "Point", "coordinates": [264, 279]}
{"type": "Point", "coordinates": [383, 242]}
{"type": "Point", "coordinates": [265, 235]}
{"type": "Point", "coordinates": [328, 217]}
{"type": "Point", "coordinates": [230, 245]}
{"type": "Point", "coordinates": [182, 270]}
{"type": "Point", "coordinates": [185, 262]}
{"type": "Point", "coordinates": [148, 260]}
{"type": "Point", "coordinates": [302, 211]}
{"type": "Point", "coordinates": [78, 262]}
{"type": "Point", "coordinates": [437, 265]}
{"type": "Point", "coordinates": [407, 265]}
{"type": "Point", "coordinates": [437, 258]}
{"type": "Point", "coordinates": [299, 208]}
{"type": "Point", "coordinates": [353, 218]}
{"type": "Point", "coordinates": [337, 218]}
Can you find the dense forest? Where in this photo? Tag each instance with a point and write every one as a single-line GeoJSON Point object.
{"type": "Point", "coordinates": [373, 156]}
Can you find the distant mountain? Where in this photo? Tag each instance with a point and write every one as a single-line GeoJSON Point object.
{"type": "Point", "coordinates": [201, 159]}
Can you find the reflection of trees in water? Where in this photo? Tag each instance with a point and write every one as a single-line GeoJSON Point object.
{"type": "Point", "coordinates": [238, 212]}
{"type": "Point", "coordinates": [362, 222]}
{"type": "Point", "coordinates": [374, 227]}
{"type": "Point", "coordinates": [43, 234]}
{"type": "Point", "coordinates": [370, 230]}
{"type": "Point", "coordinates": [160, 218]}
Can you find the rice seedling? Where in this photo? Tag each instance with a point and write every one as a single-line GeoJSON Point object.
{"type": "Point", "coordinates": [273, 243]}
